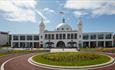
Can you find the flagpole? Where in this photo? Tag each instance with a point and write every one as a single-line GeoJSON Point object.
{"type": "Point", "coordinates": [63, 19]}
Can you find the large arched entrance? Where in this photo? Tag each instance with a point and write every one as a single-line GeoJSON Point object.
{"type": "Point", "coordinates": [49, 44]}
{"type": "Point", "coordinates": [60, 44]}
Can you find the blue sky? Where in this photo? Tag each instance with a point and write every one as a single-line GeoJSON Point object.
{"type": "Point", "coordinates": [23, 16]}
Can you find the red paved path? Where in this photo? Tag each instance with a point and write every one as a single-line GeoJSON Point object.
{"type": "Point", "coordinates": [4, 58]}
{"type": "Point", "coordinates": [21, 63]}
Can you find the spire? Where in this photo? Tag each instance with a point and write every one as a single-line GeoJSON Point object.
{"type": "Point", "coordinates": [42, 20]}
{"type": "Point", "coordinates": [79, 20]}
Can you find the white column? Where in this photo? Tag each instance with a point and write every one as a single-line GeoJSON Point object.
{"type": "Point", "coordinates": [18, 40]}
{"type": "Point", "coordinates": [89, 44]}
{"type": "Point", "coordinates": [32, 41]}
{"type": "Point", "coordinates": [32, 44]}
{"type": "Point", "coordinates": [112, 43]}
{"type": "Point", "coordinates": [11, 40]}
{"type": "Point", "coordinates": [25, 44]}
{"type": "Point", "coordinates": [97, 44]}
{"type": "Point", "coordinates": [11, 44]}
{"type": "Point", "coordinates": [19, 44]}
{"type": "Point", "coordinates": [97, 40]}
{"type": "Point", "coordinates": [104, 44]}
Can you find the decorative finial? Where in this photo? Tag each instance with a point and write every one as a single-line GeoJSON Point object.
{"type": "Point", "coordinates": [63, 19]}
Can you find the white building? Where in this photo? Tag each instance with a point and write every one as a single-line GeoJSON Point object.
{"type": "Point", "coordinates": [4, 38]}
{"type": "Point", "coordinates": [62, 36]}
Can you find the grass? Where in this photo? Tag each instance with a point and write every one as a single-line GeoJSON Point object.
{"type": "Point", "coordinates": [109, 50]}
{"type": "Point", "coordinates": [19, 51]}
{"type": "Point", "coordinates": [15, 51]}
{"type": "Point", "coordinates": [2, 54]}
{"type": "Point", "coordinates": [71, 59]}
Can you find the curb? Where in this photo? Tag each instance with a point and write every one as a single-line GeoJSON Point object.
{"type": "Point", "coordinates": [3, 64]}
{"type": "Point", "coordinates": [111, 62]}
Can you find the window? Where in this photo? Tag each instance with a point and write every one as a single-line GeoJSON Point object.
{"type": "Point", "coordinates": [15, 37]}
{"type": "Point", "coordinates": [85, 37]}
{"type": "Point", "coordinates": [29, 37]}
{"type": "Point", "coordinates": [22, 44]}
{"type": "Point", "coordinates": [108, 36]}
{"type": "Point", "coordinates": [36, 37]}
{"type": "Point", "coordinates": [64, 36]}
{"type": "Point", "coordinates": [56, 36]}
{"type": "Point", "coordinates": [71, 36]}
{"type": "Point", "coordinates": [100, 36]}
{"type": "Point", "coordinates": [62, 28]}
{"type": "Point", "coordinates": [41, 37]}
{"type": "Point", "coordinates": [93, 37]}
{"type": "Point", "coordinates": [46, 36]}
{"type": "Point", "coordinates": [22, 37]}
{"type": "Point", "coordinates": [52, 36]}
{"type": "Point", "coordinates": [68, 36]}
{"type": "Point", "coordinates": [60, 36]}
{"type": "Point", "coordinates": [49, 37]}
{"type": "Point", "coordinates": [15, 44]}
{"type": "Point", "coordinates": [79, 36]}
{"type": "Point", "coordinates": [75, 36]}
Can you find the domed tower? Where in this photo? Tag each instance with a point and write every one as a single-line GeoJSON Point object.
{"type": "Point", "coordinates": [41, 32]}
{"type": "Point", "coordinates": [41, 26]}
{"type": "Point", "coordinates": [80, 35]}
{"type": "Point", "coordinates": [79, 25]}
{"type": "Point", "coordinates": [63, 26]}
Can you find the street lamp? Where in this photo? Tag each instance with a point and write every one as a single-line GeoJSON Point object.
{"type": "Point", "coordinates": [49, 44]}
{"type": "Point", "coordinates": [71, 43]}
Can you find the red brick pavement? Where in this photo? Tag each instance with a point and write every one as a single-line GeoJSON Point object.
{"type": "Point", "coordinates": [21, 63]}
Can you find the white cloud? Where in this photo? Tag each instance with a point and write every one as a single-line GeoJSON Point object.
{"type": "Point", "coordinates": [103, 11]}
{"type": "Point", "coordinates": [79, 13]}
{"type": "Point", "coordinates": [25, 3]}
{"type": "Point", "coordinates": [14, 10]}
{"type": "Point", "coordinates": [43, 17]}
{"type": "Point", "coordinates": [95, 7]}
{"type": "Point", "coordinates": [21, 16]}
{"type": "Point", "coordinates": [48, 10]}
{"type": "Point", "coordinates": [60, 2]}
{"type": "Point", "coordinates": [82, 4]}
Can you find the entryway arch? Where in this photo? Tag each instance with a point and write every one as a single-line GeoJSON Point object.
{"type": "Point", "coordinates": [60, 44]}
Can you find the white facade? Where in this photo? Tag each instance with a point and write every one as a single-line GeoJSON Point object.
{"type": "Point", "coordinates": [3, 38]}
{"type": "Point", "coordinates": [63, 36]}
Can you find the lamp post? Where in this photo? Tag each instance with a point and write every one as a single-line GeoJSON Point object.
{"type": "Point", "coordinates": [71, 43]}
{"type": "Point", "coordinates": [78, 48]}
{"type": "Point", "coordinates": [49, 44]}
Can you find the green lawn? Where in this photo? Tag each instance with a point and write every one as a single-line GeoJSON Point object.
{"type": "Point", "coordinates": [2, 54]}
{"type": "Point", "coordinates": [109, 50]}
{"type": "Point", "coordinates": [15, 51]}
{"type": "Point", "coordinates": [20, 51]}
{"type": "Point", "coordinates": [71, 59]}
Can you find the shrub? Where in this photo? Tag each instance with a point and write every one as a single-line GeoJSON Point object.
{"type": "Point", "coordinates": [71, 58]}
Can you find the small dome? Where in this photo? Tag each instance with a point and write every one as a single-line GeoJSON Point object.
{"type": "Point", "coordinates": [63, 27]}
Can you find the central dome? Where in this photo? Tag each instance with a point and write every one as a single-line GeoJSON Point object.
{"type": "Point", "coordinates": [63, 27]}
